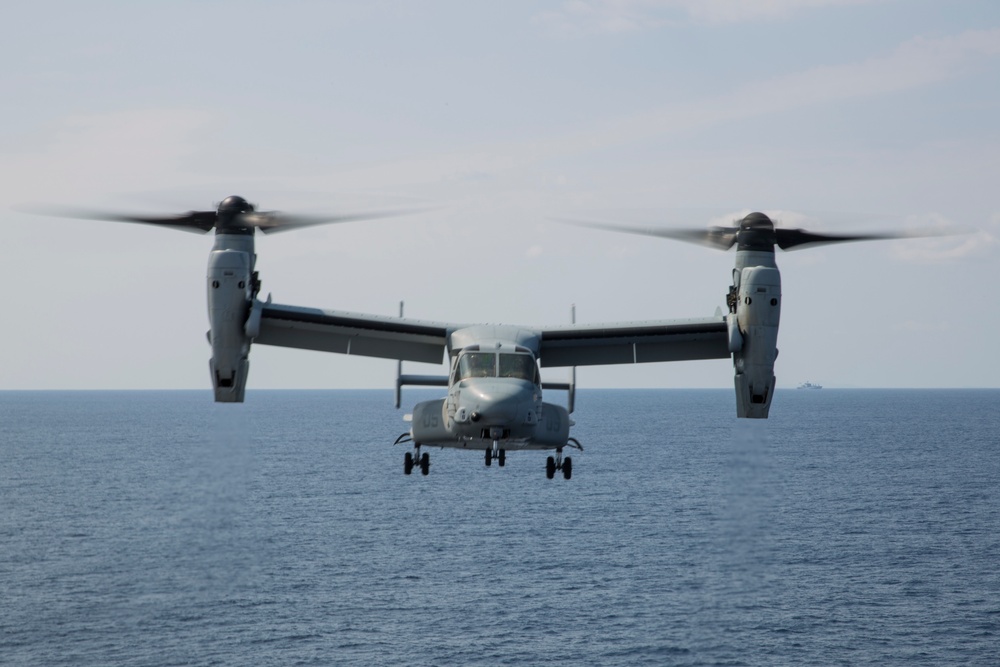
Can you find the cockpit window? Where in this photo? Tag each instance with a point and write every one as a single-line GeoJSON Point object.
{"type": "Point", "coordinates": [485, 365]}
{"type": "Point", "coordinates": [477, 365]}
{"type": "Point", "coordinates": [520, 366]}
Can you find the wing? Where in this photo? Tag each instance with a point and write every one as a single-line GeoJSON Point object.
{"type": "Point", "coordinates": [635, 342]}
{"type": "Point", "coordinates": [352, 333]}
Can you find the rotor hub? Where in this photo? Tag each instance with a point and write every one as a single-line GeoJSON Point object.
{"type": "Point", "coordinates": [756, 233]}
{"type": "Point", "coordinates": [229, 216]}
{"type": "Point", "coordinates": [235, 204]}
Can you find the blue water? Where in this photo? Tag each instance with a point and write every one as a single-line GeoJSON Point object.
{"type": "Point", "coordinates": [157, 528]}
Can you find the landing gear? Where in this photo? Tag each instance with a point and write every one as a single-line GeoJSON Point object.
{"type": "Point", "coordinates": [552, 464]}
{"type": "Point", "coordinates": [423, 461]}
{"type": "Point", "coordinates": [559, 463]}
{"type": "Point", "coordinates": [496, 453]}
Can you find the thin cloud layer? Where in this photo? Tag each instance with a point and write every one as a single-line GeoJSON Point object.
{"type": "Point", "coordinates": [583, 17]}
{"type": "Point", "coordinates": [956, 243]}
{"type": "Point", "coordinates": [913, 64]}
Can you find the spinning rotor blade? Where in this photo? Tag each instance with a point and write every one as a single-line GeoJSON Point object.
{"type": "Point", "coordinates": [722, 238]}
{"type": "Point", "coordinates": [275, 221]}
{"type": "Point", "coordinates": [792, 239]}
{"type": "Point", "coordinates": [756, 232]}
{"type": "Point", "coordinates": [198, 222]}
{"type": "Point", "coordinates": [234, 216]}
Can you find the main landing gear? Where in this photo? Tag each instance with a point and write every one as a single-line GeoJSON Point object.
{"type": "Point", "coordinates": [415, 458]}
{"type": "Point", "coordinates": [552, 464]}
{"type": "Point", "coordinates": [496, 453]}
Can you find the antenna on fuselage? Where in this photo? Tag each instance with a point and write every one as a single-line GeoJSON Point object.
{"type": "Point", "coordinates": [415, 380]}
{"type": "Point", "coordinates": [571, 395]}
{"type": "Point", "coordinates": [399, 369]}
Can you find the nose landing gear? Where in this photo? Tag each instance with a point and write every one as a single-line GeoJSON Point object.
{"type": "Point", "coordinates": [496, 453]}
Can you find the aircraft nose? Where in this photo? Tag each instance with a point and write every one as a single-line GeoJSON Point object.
{"type": "Point", "coordinates": [491, 401]}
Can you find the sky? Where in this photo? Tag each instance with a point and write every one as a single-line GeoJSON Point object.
{"type": "Point", "coordinates": [835, 115]}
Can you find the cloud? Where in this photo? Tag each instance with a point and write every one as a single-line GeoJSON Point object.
{"type": "Point", "coordinates": [915, 63]}
{"type": "Point", "coordinates": [732, 11]}
{"type": "Point", "coordinates": [582, 17]}
{"type": "Point", "coordinates": [956, 244]}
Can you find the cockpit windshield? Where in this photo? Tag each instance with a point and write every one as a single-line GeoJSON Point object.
{"type": "Point", "coordinates": [477, 365]}
{"type": "Point", "coordinates": [520, 366]}
{"type": "Point", "coordinates": [488, 364]}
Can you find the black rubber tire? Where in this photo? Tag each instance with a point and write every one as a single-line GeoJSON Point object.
{"type": "Point", "coordinates": [567, 468]}
{"type": "Point", "coordinates": [489, 457]}
{"type": "Point", "coordinates": [502, 459]}
{"type": "Point", "coordinates": [425, 464]}
{"type": "Point", "coordinates": [550, 467]}
{"type": "Point", "coordinates": [408, 463]}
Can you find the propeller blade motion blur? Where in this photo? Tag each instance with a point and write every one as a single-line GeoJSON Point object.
{"type": "Point", "coordinates": [722, 238]}
{"type": "Point", "coordinates": [234, 215]}
{"type": "Point", "coordinates": [754, 231]}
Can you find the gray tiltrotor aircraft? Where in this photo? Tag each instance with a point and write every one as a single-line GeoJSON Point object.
{"type": "Point", "coordinates": [494, 390]}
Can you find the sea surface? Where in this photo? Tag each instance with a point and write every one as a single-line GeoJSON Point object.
{"type": "Point", "coordinates": [854, 527]}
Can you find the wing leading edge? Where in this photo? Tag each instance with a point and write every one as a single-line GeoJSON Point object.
{"type": "Point", "coordinates": [423, 341]}
{"type": "Point", "coordinates": [352, 333]}
{"type": "Point", "coordinates": [635, 342]}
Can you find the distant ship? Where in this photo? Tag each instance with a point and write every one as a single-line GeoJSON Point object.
{"type": "Point", "coordinates": [810, 385]}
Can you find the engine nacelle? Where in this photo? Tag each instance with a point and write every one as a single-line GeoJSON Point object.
{"type": "Point", "coordinates": [553, 428]}
{"type": "Point", "coordinates": [429, 424]}
{"type": "Point", "coordinates": [758, 311]}
{"type": "Point", "coordinates": [230, 292]}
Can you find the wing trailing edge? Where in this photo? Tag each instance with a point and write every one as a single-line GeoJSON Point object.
{"type": "Point", "coordinates": [352, 333]}
{"type": "Point", "coordinates": [635, 342]}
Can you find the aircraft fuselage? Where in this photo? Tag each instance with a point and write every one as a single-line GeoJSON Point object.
{"type": "Point", "coordinates": [494, 396]}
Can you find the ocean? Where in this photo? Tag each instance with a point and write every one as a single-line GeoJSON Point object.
{"type": "Point", "coordinates": [854, 527]}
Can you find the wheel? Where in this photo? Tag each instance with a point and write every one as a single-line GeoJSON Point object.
{"type": "Point", "coordinates": [425, 463]}
{"type": "Point", "coordinates": [408, 463]}
{"type": "Point", "coordinates": [550, 467]}
{"type": "Point", "coordinates": [567, 468]}
{"type": "Point", "coordinates": [502, 459]}
{"type": "Point", "coordinates": [489, 457]}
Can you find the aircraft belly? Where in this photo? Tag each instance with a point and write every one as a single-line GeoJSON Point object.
{"type": "Point", "coordinates": [432, 427]}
